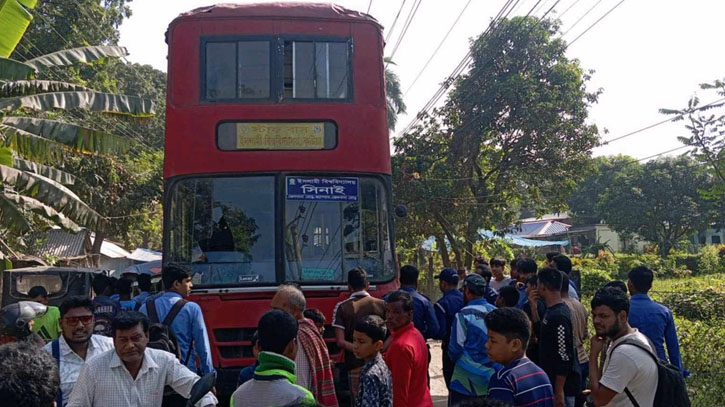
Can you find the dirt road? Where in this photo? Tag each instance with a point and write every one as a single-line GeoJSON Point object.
{"type": "Point", "coordinates": [438, 389]}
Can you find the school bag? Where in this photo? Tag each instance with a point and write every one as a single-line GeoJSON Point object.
{"type": "Point", "coordinates": [161, 336]}
{"type": "Point", "coordinates": [671, 390]}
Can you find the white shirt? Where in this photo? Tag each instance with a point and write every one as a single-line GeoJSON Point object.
{"type": "Point", "coordinates": [105, 381]}
{"type": "Point", "coordinates": [71, 363]}
{"type": "Point", "coordinates": [497, 285]}
{"type": "Point", "coordinates": [632, 368]}
{"type": "Point", "coordinates": [302, 369]}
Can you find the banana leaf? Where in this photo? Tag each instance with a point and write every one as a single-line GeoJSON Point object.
{"type": "Point", "coordinates": [30, 145]}
{"type": "Point", "coordinates": [37, 207]}
{"type": "Point", "coordinates": [95, 101]}
{"type": "Point", "coordinates": [22, 88]}
{"type": "Point", "coordinates": [50, 193]}
{"type": "Point", "coordinates": [6, 156]}
{"type": "Point", "coordinates": [14, 20]}
{"type": "Point", "coordinates": [82, 139]}
{"type": "Point", "coordinates": [11, 217]}
{"type": "Point", "coordinates": [12, 70]}
{"type": "Point", "coordinates": [73, 56]}
{"type": "Point", "coordinates": [55, 174]}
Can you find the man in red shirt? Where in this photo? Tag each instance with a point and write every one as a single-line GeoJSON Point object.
{"type": "Point", "coordinates": [407, 355]}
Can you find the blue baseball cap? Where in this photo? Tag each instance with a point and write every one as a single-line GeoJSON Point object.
{"type": "Point", "coordinates": [448, 275]}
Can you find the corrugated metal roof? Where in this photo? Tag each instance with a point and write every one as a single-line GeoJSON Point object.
{"type": "Point", "coordinates": [144, 255]}
{"type": "Point", "coordinates": [110, 249]}
{"type": "Point", "coordinates": [540, 228]}
{"type": "Point", "coordinates": [61, 244]}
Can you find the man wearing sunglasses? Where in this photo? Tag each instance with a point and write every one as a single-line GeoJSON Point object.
{"type": "Point", "coordinates": [77, 344]}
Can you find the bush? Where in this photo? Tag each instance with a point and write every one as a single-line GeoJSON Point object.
{"type": "Point", "coordinates": [705, 305]}
{"type": "Point", "coordinates": [709, 261]}
{"type": "Point", "coordinates": [593, 279]}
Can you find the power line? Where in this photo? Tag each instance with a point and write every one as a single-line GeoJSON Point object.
{"type": "Point", "coordinates": [581, 18]}
{"type": "Point", "coordinates": [596, 22]}
{"type": "Point", "coordinates": [660, 123]}
{"type": "Point", "coordinates": [569, 8]}
{"type": "Point", "coordinates": [663, 153]}
{"type": "Point", "coordinates": [460, 67]}
{"type": "Point", "coordinates": [392, 27]}
{"type": "Point", "coordinates": [438, 47]}
{"type": "Point", "coordinates": [406, 25]}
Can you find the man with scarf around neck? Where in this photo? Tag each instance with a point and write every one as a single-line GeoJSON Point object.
{"type": "Point", "coordinates": [314, 368]}
{"type": "Point", "coordinates": [274, 379]}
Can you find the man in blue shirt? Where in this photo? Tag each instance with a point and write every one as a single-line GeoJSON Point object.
{"type": "Point", "coordinates": [144, 284]}
{"type": "Point", "coordinates": [562, 263]}
{"type": "Point", "coordinates": [105, 308]}
{"type": "Point", "coordinates": [446, 309]}
{"type": "Point", "coordinates": [654, 320]}
{"type": "Point", "coordinates": [527, 268]}
{"type": "Point", "coordinates": [424, 317]}
{"type": "Point", "coordinates": [188, 326]}
{"type": "Point", "coordinates": [467, 349]}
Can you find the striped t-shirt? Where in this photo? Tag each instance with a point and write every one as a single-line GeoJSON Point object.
{"type": "Point", "coordinates": [523, 384]}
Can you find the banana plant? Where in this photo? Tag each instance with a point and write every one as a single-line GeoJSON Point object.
{"type": "Point", "coordinates": [29, 189]}
{"type": "Point", "coordinates": [14, 19]}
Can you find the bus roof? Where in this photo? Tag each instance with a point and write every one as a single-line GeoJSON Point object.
{"type": "Point", "coordinates": [285, 10]}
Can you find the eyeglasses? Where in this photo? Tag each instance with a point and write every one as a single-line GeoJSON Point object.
{"type": "Point", "coordinates": [85, 319]}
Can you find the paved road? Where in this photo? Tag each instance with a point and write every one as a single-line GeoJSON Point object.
{"type": "Point", "coordinates": [438, 389]}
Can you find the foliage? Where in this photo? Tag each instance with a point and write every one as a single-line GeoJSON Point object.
{"type": "Point", "coordinates": [709, 261]}
{"type": "Point", "coordinates": [583, 204]}
{"type": "Point", "coordinates": [393, 95]}
{"type": "Point", "coordinates": [593, 279]}
{"type": "Point", "coordinates": [658, 201]}
{"type": "Point", "coordinates": [66, 24]}
{"type": "Point", "coordinates": [514, 131]}
{"type": "Point", "coordinates": [43, 137]}
{"type": "Point", "coordinates": [14, 19]}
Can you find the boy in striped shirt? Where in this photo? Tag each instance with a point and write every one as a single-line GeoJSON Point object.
{"type": "Point", "coordinates": [520, 382]}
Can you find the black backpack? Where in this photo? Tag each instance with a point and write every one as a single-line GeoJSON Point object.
{"type": "Point", "coordinates": [161, 336]}
{"type": "Point", "coordinates": [671, 390]}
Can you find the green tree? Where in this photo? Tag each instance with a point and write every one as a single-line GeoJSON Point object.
{"type": "Point", "coordinates": [583, 204]}
{"type": "Point", "coordinates": [513, 132]}
{"type": "Point", "coordinates": [72, 23]}
{"type": "Point", "coordinates": [393, 95]}
{"type": "Point", "coordinates": [32, 189]}
{"type": "Point", "coordinates": [659, 201]}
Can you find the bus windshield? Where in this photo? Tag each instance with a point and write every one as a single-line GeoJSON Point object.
{"type": "Point", "coordinates": [225, 229]}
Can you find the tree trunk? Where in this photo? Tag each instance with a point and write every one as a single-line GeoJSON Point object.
{"type": "Point", "coordinates": [443, 250]}
{"type": "Point", "coordinates": [431, 273]}
{"type": "Point", "coordinates": [96, 250]}
{"type": "Point", "coordinates": [451, 239]}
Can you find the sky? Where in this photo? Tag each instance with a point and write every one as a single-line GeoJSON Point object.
{"type": "Point", "coordinates": [647, 54]}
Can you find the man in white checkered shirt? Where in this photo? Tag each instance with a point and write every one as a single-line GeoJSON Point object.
{"type": "Point", "coordinates": [132, 375]}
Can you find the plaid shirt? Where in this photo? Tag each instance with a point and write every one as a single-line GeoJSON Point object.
{"type": "Point", "coordinates": [376, 385]}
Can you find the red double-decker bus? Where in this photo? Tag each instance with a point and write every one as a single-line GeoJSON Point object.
{"type": "Point", "coordinates": [277, 163]}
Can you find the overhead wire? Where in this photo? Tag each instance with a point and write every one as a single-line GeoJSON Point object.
{"type": "Point", "coordinates": [440, 44]}
{"type": "Point", "coordinates": [595, 23]}
{"type": "Point", "coordinates": [462, 65]}
{"type": "Point", "coordinates": [395, 21]}
{"type": "Point", "coordinates": [406, 26]}
{"type": "Point", "coordinates": [568, 8]}
{"type": "Point", "coordinates": [581, 17]}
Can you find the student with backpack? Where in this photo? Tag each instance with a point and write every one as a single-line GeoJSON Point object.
{"type": "Point", "coordinates": [183, 318]}
{"type": "Point", "coordinates": [632, 374]}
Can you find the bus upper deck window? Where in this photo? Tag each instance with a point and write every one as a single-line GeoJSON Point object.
{"type": "Point", "coordinates": [237, 70]}
{"type": "Point", "coordinates": [316, 70]}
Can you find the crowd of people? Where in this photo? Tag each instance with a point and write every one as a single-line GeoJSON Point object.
{"type": "Point", "coordinates": [508, 339]}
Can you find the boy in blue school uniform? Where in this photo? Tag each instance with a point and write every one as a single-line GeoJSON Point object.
{"type": "Point", "coordinates": [520, 382]}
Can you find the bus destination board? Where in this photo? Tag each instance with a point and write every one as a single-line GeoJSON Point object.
{"type": "Point", "coordinates": [322, 189]}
